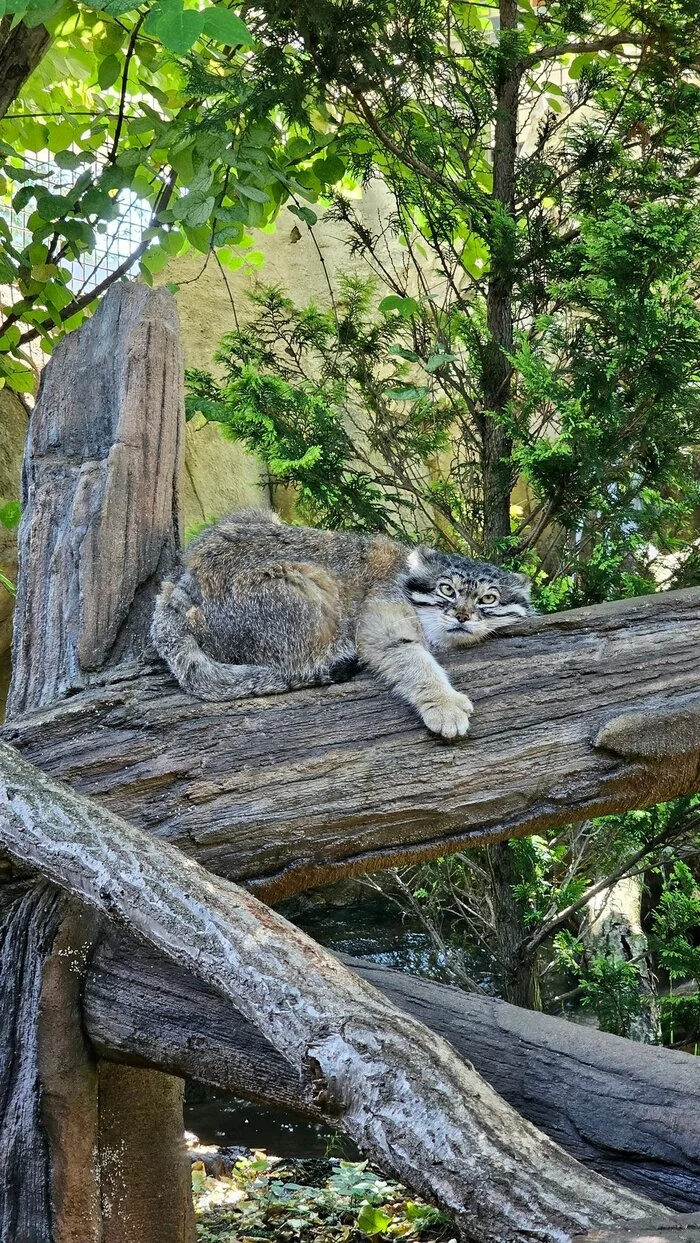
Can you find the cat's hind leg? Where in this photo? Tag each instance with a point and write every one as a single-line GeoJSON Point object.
{"type": "Point", "coordinates": [180, 631]}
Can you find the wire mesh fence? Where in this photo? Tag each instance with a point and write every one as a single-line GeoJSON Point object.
{"type": "Point", "coordinates": [115, 240]}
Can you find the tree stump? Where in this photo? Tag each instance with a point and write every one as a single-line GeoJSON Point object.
{"type": "Point", "coordinates": [99, 529]}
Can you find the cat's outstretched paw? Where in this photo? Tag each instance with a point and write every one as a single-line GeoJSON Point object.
{"type": "Point", "coordinates": [450, 717]}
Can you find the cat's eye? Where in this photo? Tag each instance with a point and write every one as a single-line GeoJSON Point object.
{"type": "Point", "coordinates": [445, 589]}
{"type": "Point", "coordinates": [489, 597]}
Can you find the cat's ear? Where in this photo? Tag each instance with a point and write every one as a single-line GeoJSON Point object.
{"type": "Point", "coordinates": [419, 575]}
{"type": "Point", "coordinates": [524, 583]}
{"type": "Point", "coordinates": [415, 562]}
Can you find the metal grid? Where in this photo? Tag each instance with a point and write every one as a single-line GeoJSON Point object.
{"type": "Point", "coordinates": [115, 240]}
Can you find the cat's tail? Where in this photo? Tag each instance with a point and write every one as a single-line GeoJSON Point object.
{"type": "Point", "coordinates": [173, 632]}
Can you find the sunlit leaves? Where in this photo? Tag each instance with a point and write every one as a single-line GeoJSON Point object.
{"type": "Point", "coordinates": [226, 27]}
{"type": "Point", "coordinates": [110, 118]}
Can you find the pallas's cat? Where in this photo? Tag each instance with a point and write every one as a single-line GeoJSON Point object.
{"type": "Point", "coordinates": [262, 607]}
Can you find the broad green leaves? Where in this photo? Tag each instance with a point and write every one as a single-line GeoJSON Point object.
{"type": "Point", "coordinates": [112, 133]}
{"type": "Point", "coordinates": [226, 27]}
{"type": "Point", "coordinates": [178, 28]}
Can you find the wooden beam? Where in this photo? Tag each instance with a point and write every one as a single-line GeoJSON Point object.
{"type": "Point", "coordinates": [577, 714]}
{"type": "Point", "coordinates": [627, 1110]}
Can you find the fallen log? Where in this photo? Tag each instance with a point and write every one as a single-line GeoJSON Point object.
{"type": "Point", "coordinates": [627, 1110]}
{"type": "Point", "coordinates": [652, 1232]}
{"type": "Point", "coordinates": [398, 1090]}
{"type": "Point", "coordinates": [577, 714]}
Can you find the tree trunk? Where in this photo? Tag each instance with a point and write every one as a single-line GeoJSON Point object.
{"type": "Point", "coordinates": [142, 1147]}
{"type": "Point", "coordinates": [99, 527]}
{"type": "Point", "coordinates": [399, 1091]}
{"type": "Point", "coordinates": [496, 445]}
{"type": "Point", "coordinates": [629, 1111]}
{"type": "Point", "coordinates": [521, 981]}
{"type": "Point", "coordinates": [577, 714]}
{"type": "Point", "coordinates": [21, 50]}
{"type": "Point", "coordinates": [614, 930]}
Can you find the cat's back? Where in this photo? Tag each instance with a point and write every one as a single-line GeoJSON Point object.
{"type": "Point", "coordinates": [251, 539]}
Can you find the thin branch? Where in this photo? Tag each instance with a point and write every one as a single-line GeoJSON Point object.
{"type": "Point", "coordinates": [605, 44]}
{"type": "Point", "coordinates": [122, 96]}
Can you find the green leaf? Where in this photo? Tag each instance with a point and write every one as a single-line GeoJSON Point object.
{"type": "Point", "coordinates": [10, 514]}
{"type": "Point", "coordinates": [407, 394]}
{"type": "Point", "coordinates": [11, 337]}
{"type": "Point", "coordinates": [304, 213]}
{"type": "Point", "coordinates": [409, 355]}
{"type": "Point", "coordinates": [22, 197]}
{"type": "Point", "coordinates": [8, 584]}
{"type": "Point", "coordinates": [115, 8]}
{"type": "Point", "coordinates": [251, 192]}
{"type": "Point", "coordinates": [438, 360]}
{"type": "Point", "coordinates": [44, 271]}
{"type": "Point", "coordinates": [176, 27]}
{"type": "Point", "coordinates": [330, 170]}
{"type": "Point", "coordinates": [224, 26]}
{"type": "Point", "coordinates": [405, 306]}
{"type": "Point", "coordinates": [372, 1220]}
{"type": "Point", "coordinates": [69, 159]}
{"type": "Point", "coordinates": [108, 72]}
{"type": "Point", "coordinates": [21, 381]}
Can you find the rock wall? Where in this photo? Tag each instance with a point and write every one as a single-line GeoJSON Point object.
{"type": "Point", "coordinates": [221, 475]}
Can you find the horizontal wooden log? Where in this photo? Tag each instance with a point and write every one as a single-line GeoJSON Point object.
{"type": "Point", "coordinates": [400, 1091]}
{"type": "Point", "coordinates": [688, 1231]}
{"type": "Point", "coordinates": [628, 1110]}
{"type": "Point", "coordinates": [577, 714]}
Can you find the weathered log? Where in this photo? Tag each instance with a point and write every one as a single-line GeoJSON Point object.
{"type": "Point", "coordinates": [687, 1231]}
{"type": "Point", "coordinates": [577, 714]}
{"type": "Point", "coordinates": [99, 528]}
{"type": "Point", "coordinates": [398, 1090]}
{"type": "Point", "coordinates": [628, 1111]}
{"type": "Point", "coordinates": [41, 1043]}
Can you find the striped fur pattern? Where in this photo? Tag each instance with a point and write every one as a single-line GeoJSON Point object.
{"type": "Point", "coordinates": [261, 607]}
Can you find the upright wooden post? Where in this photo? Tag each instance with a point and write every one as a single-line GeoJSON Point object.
{"type": "Point", "coordinates": [100, 528]}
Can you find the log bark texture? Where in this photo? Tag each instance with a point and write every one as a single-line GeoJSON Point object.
{"type": "Point", "coordinates": [577, 714]}
{"type": "Point", "coordinates": [627, 1111]}
{"type": "Point", "coordinates": [100, 482]}
{"type": "Point", "coordinates": [99, 528]}
{"type": "Point", "coordinates": [398, 1090]}
{"type": "Point", "coordinates": [29, 928]}
{"type": "Point", "coordinates": [21, 49]}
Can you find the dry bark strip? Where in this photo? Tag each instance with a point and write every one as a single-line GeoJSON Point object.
{"type": "Point", "coordinates": [577, 714]}
{"type": "Point", "coordinates": [627, 1110]}
{"type": "Point", "coordinates": [398, 1090]}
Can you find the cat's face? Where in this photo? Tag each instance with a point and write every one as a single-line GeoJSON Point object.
{"type": "Point", "coordinates": [460, 601]}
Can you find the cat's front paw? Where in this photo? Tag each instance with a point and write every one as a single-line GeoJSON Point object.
{"type": "Point", "coordinates": [450, 717]}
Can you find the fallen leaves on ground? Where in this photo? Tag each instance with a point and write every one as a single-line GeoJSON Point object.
{"type": "Point", "coordinates": [260, 1202]}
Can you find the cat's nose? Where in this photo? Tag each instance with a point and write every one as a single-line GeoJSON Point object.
{"type": "Point", "coordinates": [463, 615]}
